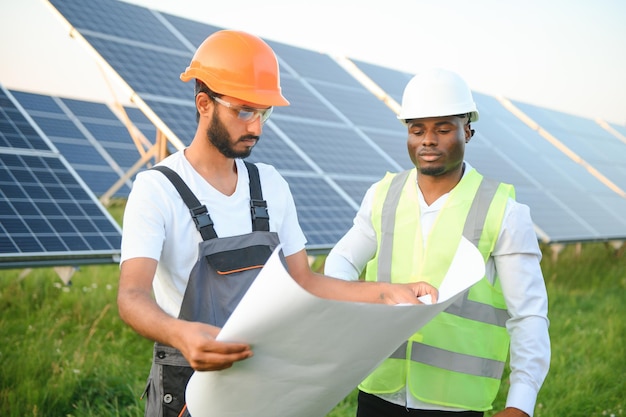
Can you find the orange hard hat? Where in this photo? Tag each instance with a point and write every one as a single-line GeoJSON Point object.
{"type": "Point", "coordinates": [240, 65]}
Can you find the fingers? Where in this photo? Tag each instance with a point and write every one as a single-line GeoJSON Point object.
{"type": "Point", "coordinates": [213, 361]}
{"type": "Point", "coordinates": [422, 288]}
{"type": "Point", "coordinates": [410, 293]}
{"type": "Point", "coordinates": [216, 356]}
{"type": "Point", "coordinates": [432, 291]}
{"type": "Point", "coordinates": [204, 352]}
{"type": "Point", "coordinates": [402, 294]}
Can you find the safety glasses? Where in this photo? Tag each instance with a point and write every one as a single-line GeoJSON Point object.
{"type": "Point", "coordinates": [246, 114]}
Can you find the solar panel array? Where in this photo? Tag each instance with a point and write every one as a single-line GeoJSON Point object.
{"type": "Point", "coordinates": [48, 216]}
{"type": "Point", "coordinates": [89, 136]}
{"type": "Point", "coordinates": [331, 115]}
{"type": "Point", "coordinates": [337, 138]}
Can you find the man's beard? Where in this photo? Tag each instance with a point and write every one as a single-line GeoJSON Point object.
{"type": "Point", "coordinates": [432, 171]}
{"type": "Point", "coordinates": [219, 137]}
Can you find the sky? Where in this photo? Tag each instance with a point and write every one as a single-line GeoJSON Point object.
{"type": "Point", "coordinates": [566, 55]}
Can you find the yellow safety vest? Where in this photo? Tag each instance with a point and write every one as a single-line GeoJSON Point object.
{"type": "Point", "coordinates": [457, 359]}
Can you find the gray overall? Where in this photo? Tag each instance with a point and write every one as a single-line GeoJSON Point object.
{"type": "Point", "coordinates": [222, 274]}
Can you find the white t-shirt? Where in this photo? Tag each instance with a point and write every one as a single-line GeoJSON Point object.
{"type": "Point", "coordinates": [157, 223]}
{"type": "Point", "coordinates": [515, 257]}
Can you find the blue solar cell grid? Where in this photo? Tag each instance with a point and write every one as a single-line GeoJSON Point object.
{"type": "Point", "coordinates": [389, 80]}
{"type": "Point", "coordinates": [89, 135]}
{"type": "Point", "coordinates": [15, 131]}
{"type": "Point", "coordinates": [193, 32]}
{"type": "Point", "coordinates": [336, 137]}
{"type": "Point", "coordinates": [363, 160]}
{"type": "Point", "coordinates": [271, 147]}
{"type": "Point", "coordinates": [149, 70]}
{"type": "Point", "coordinates": [304, 104]}
{"type": "Point", "coordinates": [547, 180]}
{"type": "Point", "coordinates": [586, 138]}
{"type": "Point", "coordinates": [47, 216]}
{"type": "Point", "coordinates": [301, 139]}
{"type": "Point", "coordinates": [313, 66]}
{"type": "Point", "coordinates": [321, 211]}
{"type": "Point", "coordinates": [360, 107]}
{"type": "Point", "coordinates": [120, 20]}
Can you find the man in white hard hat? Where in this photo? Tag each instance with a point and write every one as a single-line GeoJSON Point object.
{"type": "Point", "coordinates": [408, 228]}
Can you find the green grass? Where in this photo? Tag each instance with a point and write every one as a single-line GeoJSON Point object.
{"type": "Point", "coordinates": [65, 352]}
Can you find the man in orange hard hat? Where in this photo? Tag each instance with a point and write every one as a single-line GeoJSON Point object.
{"type": "Point", "coordinates": [196, 233]}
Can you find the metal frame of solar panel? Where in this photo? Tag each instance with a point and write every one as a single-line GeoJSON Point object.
{"type": "Point", "coordinates": [48, 215]}
{"type": "Point", "coordinates": [328, 143]}
{"type": "Point", "coordinates": [90, 137]}
{"type": "Point", "coordinates": [619, 131]}
{"type": "Point", "coordinates": [567, 202]}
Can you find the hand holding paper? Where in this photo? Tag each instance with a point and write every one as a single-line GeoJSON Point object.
{"type": "Point", "coordinates": [309, 352]}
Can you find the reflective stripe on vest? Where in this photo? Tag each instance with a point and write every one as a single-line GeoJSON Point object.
{"type": "Point", "coordinates": [458, 362]}
{"type": "Point", "coordinates": [480, 311]}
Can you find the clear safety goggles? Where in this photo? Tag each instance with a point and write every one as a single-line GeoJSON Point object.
{"type": "Point", "coordinates": [244, 113]}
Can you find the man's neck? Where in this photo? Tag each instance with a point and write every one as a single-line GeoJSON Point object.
{"type": "Point", "coordinates": [434, 186]}
{"type": "Point", "coordinates": [215, 168]}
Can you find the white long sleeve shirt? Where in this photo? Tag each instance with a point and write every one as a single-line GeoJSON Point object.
{"type": "Point", "coordinates": [516, 258]}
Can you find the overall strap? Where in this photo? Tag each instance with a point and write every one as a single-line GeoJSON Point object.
{"type": "Point", "coordinates": [258, 206]}
{"type": "Point", "coordinates": [198, 211]}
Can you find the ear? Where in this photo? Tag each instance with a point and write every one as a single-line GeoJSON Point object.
{"type": "Point", "coordinates": [204, 104]}
{"type": "Point", "coordinates": [469, 132]}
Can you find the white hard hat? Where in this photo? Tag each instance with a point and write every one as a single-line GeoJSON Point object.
{"type": "Point", "coordinates": [437, 93]}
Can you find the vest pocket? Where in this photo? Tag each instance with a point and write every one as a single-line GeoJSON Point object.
{"type": "Point", "coordinates": [238, 260]}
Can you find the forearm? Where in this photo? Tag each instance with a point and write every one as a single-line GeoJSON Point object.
{"type": "Point", "coordinates": [338, 289]}
{"type": "Point", "coordinates": [333, 288]}
{"type": "Point", "coordinates": [366, 292]}
{"type": "Point", "coordinates": [138, 309]}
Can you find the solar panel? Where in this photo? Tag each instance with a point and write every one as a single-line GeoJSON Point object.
{"type": "Point", "coordinates": [390, 80]}
{"type": "Point", "coordinates": [546, 179]}
{"type": "Point", "coordinates": [586, 138]}
{"type": "Point", "coordinates": [336, 137]}
{"type": "Point", "coordinates": [89, 136]}
{"type": "Point", "coordinates": [48, 216]}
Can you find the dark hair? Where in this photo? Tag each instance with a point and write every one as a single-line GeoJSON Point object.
{"type": "Point", "coordinates": [469, 118]}
{"type": "Point", "coordinates": [201, 87]}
